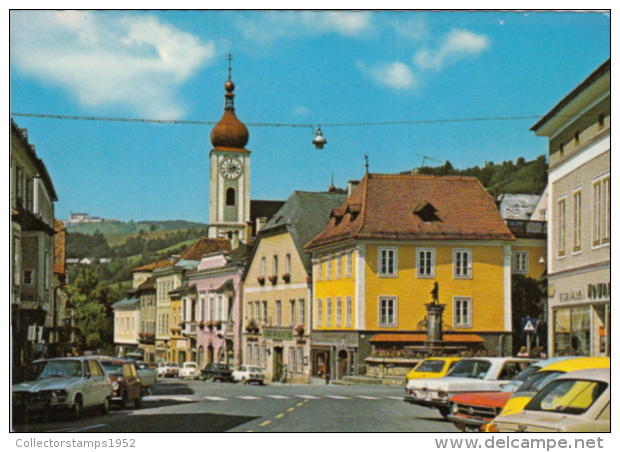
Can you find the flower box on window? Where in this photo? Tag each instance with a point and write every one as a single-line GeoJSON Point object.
{"type": "Point", "coordinates": [273, 279]}
{"type": "Point", "coordinates": [299, 330]}
{"type": "Point", "coordinates": [286, 277]}
{"type": "Point", "coordinates": [261, 280]}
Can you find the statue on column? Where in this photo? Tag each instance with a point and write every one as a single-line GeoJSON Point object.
{"type": "Point", "coordinates": [435, 293]}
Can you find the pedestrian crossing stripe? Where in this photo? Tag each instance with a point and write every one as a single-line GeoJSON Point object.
{"type": "Point", "coordinates": [368, 398]}
{"type": "Point", "coordinates": [248, 398]}
{"type": "Point", "coordinates": [395, 398]}
{"type": "Point", "coordinates": [337, 397]}
{"type": "Point", "coordinates": [278, 397]}
{"type": "Point", "coordinates": [308, 397]}
{"type": "Point", "coordinates": [166, 397]}
{"type": "Point", "coordinates": [215, 399]}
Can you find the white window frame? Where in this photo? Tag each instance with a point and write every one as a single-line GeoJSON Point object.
{"type": "Point", "coordinates": [386, 299]}
{"type": "Point", "coordinates": [300, 360]}
{"type": "Point", "coordinates": [319, 312]}
{"type": "Point", "coordinates": [278, 313]}
{"type": "Point", "coordinates": [293, 313]}
{"type": "Point", "coordinates": [263, 264]}
{"type": "Point", "coordinates": [458, 320]}
{"type": "Point", "coordinates": [339, 262]}
{"type": "Point", "coordinates": [319, 269]}
{"type": "Point", "coordinates": [459, 268]}
{"type": "Point", "coordinates": [420, 266]}
{"type": "Point", "coordinates": [292, 355]}
{"type": "Point", "coordinates": [328, 312]}
{"type": "Point", "coordinates": [562, 226]}
{"type": "Point", "coordinates": [274, 265]}
{"type": "Point", "coordinates": [521, 262]}
{"type": "Point", "coordinates": [577, 220]}
{"type": "Point", "coordinates": [349, 264]}
{"type": "Point", "coordinates": [383, 260]}
{"type": "Point", "coordinates": [287, 263]}
{"type": "Point", "coordinates": [329, 271]}
{"type": "Point", "coordinates": [302, 312]}
{"type": "Point", "coordinates": [265, 312]}
{"type": "Point", "coordinates": [348, 311]}
{"type": "Point", "coordinates": [338, 323]}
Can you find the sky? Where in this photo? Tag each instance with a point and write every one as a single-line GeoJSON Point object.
{"type": "Point", "coordinates": [394, 86]}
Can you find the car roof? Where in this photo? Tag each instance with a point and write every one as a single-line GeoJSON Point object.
{"type": "Point", "coordinates": [499, 359]}
{"type": "Point", "coordinates": [117, 361]}
{"type": "Point", "coordinates": [602, 374]}
{"type": "Point", "coordinates": [443, 358]}
{"type": "Point", "coordinates": [585, 362]}
{"type": "Point", "coordinates": [68, 358]}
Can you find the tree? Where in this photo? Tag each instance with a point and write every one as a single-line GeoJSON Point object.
{"type": "Point", "coordinates": [93, 301]}
{"type": "Point", "coordinates": [528, 297]}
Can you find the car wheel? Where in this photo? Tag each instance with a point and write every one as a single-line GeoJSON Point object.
{"type": "Point", "coordinates": [77, 410]}
{"type": "Point", "coordinates": [105, 406]}
{"type": "Point", "coordinates": [444, 412]}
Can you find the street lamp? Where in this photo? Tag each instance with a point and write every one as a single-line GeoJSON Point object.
{"type": "Point", "coordinates": [319, 140]}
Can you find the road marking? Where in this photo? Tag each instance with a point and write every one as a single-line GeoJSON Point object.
{"type": "Point", "coordinates": [308, 397]}
{"type": "Point", "coordinates": [290, 409]}
{"type": "Point", "coordinates": [265, 423]}
{"type": "Point", "coordinates": [337, 397]}
{"type": "Point", "coordinates": [73, 429]}
{"type": "Point", "coordinates": [215, 399]}
{"type": "Point", "coordinates": [278, 397]}
{"type": "Point", "coordinates": [166, 397]}
{"type": "Point", "coordinates": [395, 398]}
{"type": "Point", "coordinates": [279, 416]}
{"type": "Point", "coordinates": [300, 404]}
{"type": "Point", "coordinates": [368, 397]}
{"type": "Point", "coordinates": [248, 398]}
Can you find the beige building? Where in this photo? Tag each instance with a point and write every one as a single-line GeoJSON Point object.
{"type": "Point", "coordinates": [579, 207]}
{"type": "Point", "coordinates": [126, 324]}
{"type": "Point", "coordinates": [277, 290]}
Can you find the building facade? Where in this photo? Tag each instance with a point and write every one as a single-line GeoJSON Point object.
{"type": "Point", "coordinates": [579, 205]}
{"type": "Point", "coordinates": [126, 324]}
{"type": "Point", "coordinates": [378, 259]}
{"type": "Point", "coordinates": [33, 287]}
{"type": "Point", "coordinates": [277, 288]}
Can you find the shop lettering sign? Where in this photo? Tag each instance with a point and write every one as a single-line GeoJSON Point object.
{"type": "Point", "coordinates": [599, 291]}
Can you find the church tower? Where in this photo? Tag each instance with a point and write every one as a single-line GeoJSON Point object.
{"type": "Point", "coordinates": [229, 190]}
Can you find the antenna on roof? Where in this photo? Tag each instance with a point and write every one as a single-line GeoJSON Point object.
{"type": "Point", "coordinates": [427, 157]}
{"type": "Point", "coordinates": [366, 158]}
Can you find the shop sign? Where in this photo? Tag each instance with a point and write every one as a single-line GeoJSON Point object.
{"type": "Point", "coordinates": [278, 334]}
{"type": "Point", "coordinates": [599, 291]}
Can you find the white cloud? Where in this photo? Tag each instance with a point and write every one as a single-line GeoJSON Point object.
{"type": "Point", "coordinates": [457, 44]}
{"type": "Point", "coordinates": [271, 25]}
{"type": "Point", "coordinates": [396, 75]}
{"type": "Point", "coordinates": [301, 110]}
{"type": "Point", "coordinates": [136, 62]}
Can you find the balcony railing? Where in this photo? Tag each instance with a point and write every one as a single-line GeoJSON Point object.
{"type": "Point", "coordinates": [527, 228]}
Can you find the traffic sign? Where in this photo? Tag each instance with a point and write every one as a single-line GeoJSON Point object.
{"type": "Point", "coordinates": [528, 324]}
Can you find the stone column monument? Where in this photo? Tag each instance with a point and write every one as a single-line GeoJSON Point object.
{"type": "Point", "coordinates": [435, 319]}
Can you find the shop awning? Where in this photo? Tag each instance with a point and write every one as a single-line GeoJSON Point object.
{"type": "Point", "coordinates": [422, 337]}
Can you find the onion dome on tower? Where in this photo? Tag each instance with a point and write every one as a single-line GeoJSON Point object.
{"type": "Point", "coordinates": [230, 133]}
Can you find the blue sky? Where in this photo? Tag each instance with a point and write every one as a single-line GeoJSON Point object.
{"type": "Point", "coordinates": [337, 69]}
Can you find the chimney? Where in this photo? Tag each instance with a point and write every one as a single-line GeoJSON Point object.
{"type": "Point", "coordinates": [352, 185]}
{"type": "Point", "coordinates": [260, 223]}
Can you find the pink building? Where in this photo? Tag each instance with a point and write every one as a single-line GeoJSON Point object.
{"type": "Point", "coordinates": [212, 309]}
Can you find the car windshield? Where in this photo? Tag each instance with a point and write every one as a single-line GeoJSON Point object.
{"type": "Point", "coordinates": [473, 368]}
{"type": "Point", "coordinates": [536, 382]}
{"type": "Point", "coordinates": [567, 396]}
{"type": "Point", "coordinates": [520, 379]}
{"type": "Point", "coordinates": [431, 365]}
{"type": "Point", "coordinates": [113, 369]}
{"type": "Point", "coordinates": [173, 365]}
{"type": "Point", "coordinates": [189, 366]}
{"type": "Point", "coordinates": [219, 366]}
{"type": "Point", "coordinates": [254, 369]}
{"type": "Point", "coordinates": [49, 369]}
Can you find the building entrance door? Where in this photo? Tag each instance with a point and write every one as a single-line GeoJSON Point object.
{"type": "Point", "coordinates": [209, 354]}
{"type": "Point", "coordinates": [277, 363]}
{"type": "Point", "coordinates": [343, 364]}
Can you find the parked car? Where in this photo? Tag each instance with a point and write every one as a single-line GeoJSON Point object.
{"type": "Point", "coordinates": [126, 384]}
{"type": "Point", "coordinates": [249, 374]}
{"type": "Point", "coordinates": [217, 372]}
{"type": "Point", "coordinates": [577, 401]}
{"type": "Point", "coordinates": [540, 379]}
{"type": "Point", "coordinates": [468, 375]}
{"type": "Point", "coordinates": [62, 384]}
{"type": "Point", "coordinates": [168, 370]}
{"type": "Point", "coordinates": [431, 368]}
{"type": "Point", "coordinates": [471, 410]}
{"type": "Point", "coordinates": [189, 370]}
{"type": "Point", "coordinates": [147, 375]}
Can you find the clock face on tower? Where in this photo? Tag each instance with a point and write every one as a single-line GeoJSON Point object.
{"type": "Point", "coordinates": [231, 168]}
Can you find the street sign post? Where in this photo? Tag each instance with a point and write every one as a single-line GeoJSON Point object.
{"type": "Point", "coordinates": [528, 326]}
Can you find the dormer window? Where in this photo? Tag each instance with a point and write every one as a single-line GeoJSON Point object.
{"type": "Point", "coordinates": [426, 212]}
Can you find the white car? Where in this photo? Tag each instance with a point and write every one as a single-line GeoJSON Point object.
{"type": "Point", "coordinates": [63, 384]}
{"type": "Point", "coordinates": [167, 370]}
{"type": "Point", "coordinates": [189, 370]}
{"type": "Point", "coordinates": [468, 375]}
{"type": "Point", "coordinates": [249, 374]}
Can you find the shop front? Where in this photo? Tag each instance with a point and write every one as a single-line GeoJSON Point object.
{"type": "Point", "coordinates": [335, 355]}
{"type": "Point", "coordinates": [579, 306]}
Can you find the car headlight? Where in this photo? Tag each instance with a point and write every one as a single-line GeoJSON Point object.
{"type": "Point", "coordinates": [115, 385]}
{"type": "Point", "coordinates": [59, 393]}
{"type": "Point", "coordinates": [454, 408]}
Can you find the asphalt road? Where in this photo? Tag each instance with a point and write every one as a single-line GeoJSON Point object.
{"type": "Point", "coordinates": [183, 406]}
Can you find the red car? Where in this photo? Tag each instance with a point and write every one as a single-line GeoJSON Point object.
{"type": "Point", "coordinates": [126, 384]}
{"type": "Point", "coordinates": [472, 410]}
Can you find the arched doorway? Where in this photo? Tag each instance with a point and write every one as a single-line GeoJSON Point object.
{"type": "Point", "coordinates": [278, 353]}
{"type": "Point", "coordinates": [343, 363]}
{"type": "Point", "coordinates": [200, 359]}
{"type": "Point", "coordinates": [209, 354]}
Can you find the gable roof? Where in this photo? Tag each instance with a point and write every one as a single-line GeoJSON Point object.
{"type": "Point", "coordinates": [304, 215]}
{"type": "Point", "coordinates": [204, 246]}
{"type": "Point", "coordinates": [383, 206]}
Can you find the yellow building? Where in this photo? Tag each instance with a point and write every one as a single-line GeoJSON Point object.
{"type": "Point", "coordinates": [277, 291]}
{"type": "Point", "coordinates": [379, 257]}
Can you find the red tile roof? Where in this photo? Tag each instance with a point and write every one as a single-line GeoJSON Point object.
{"type": "Point", "coordinates": [205, 246]}
{"type": "Point", "coordinates": [395, 207]}
{"type": "Point", "coordinates": [153, 265]}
